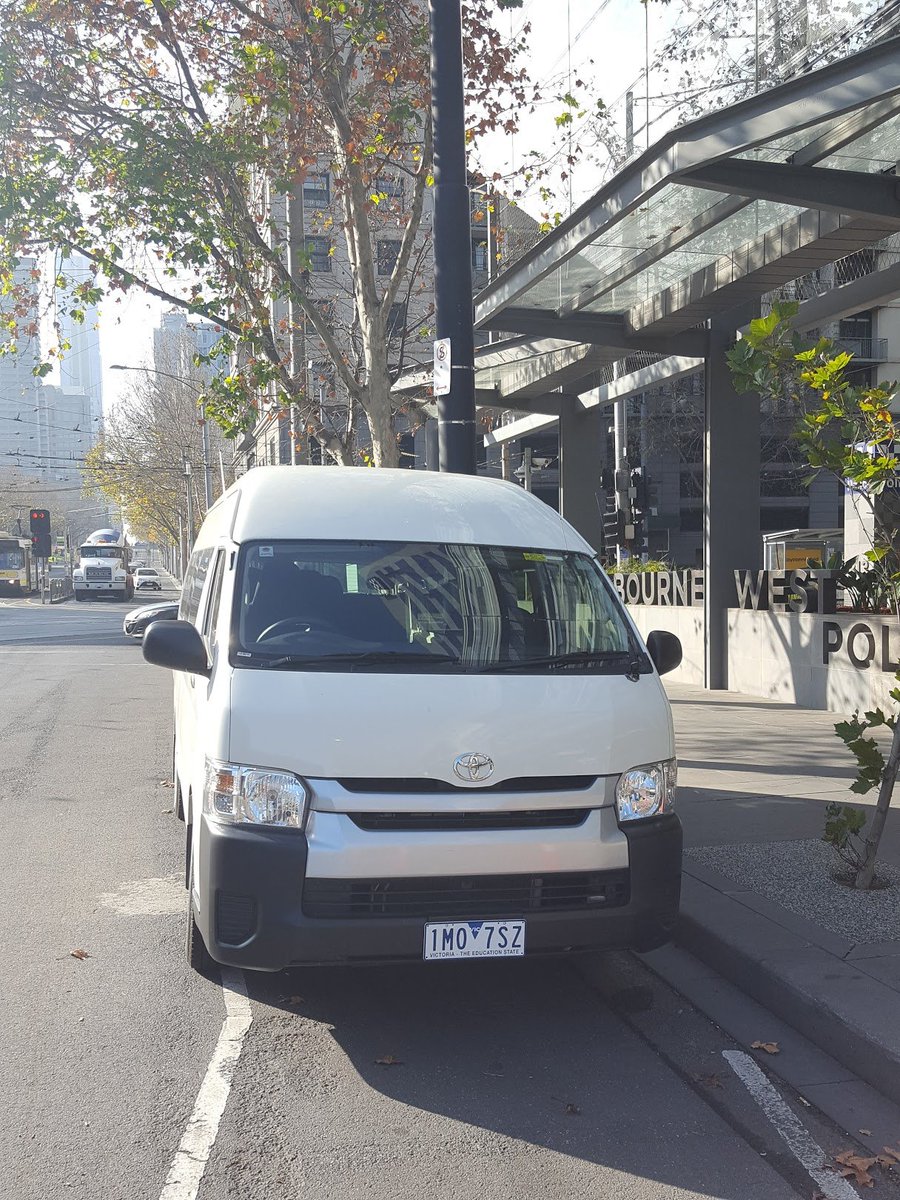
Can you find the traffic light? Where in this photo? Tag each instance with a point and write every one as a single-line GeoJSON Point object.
{"type": "Point", "coordinates": [41, 542]}
{"type": "Point", "coordinates": [613, 528]}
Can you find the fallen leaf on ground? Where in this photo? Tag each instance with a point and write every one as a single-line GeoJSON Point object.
{"type": "Point", "coordinates": [81, 955]}
{"type": "Point", "coordinates": [769, 1047]}
{"type": "Point", "coordinates": [805, 1103]}
{"type": "Point", "coordinates": [572, 1110]}
{"type": "Point", "coordinates": [891, 1153]}
{"type": "Point", "coordinates": [166, 783]}
{"type": "Point", "coordinates": [712, 1081]}
{"type": "Point", "coordinates": [291, 999]}
{"type": "Point", "coordinates": [866, 1132]}
{"type": "Point", "coordinates": [853, 1165]}
{"type": "Point", "coordinates": [388, 1060]}
{"type": "Point", "coordinates": [167, 810]}
{"type": "Point", "coordinates": [887, 1161]}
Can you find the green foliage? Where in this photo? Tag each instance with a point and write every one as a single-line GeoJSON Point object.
{"type": "Point", "coordinates": [843, 826]}
{"type": "Point", "coordinates": [635, 566]}
{"type": "Point", "coordinates": [869, 759]}
{"type": "Point", "coordinates": [865, 589]}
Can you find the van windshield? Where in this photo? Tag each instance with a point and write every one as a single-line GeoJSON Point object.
{"type": "Point", "coordinates": [414, 605]}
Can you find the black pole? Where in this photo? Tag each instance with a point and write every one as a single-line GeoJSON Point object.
{"type": "Point", "coordinates": [452, 239]}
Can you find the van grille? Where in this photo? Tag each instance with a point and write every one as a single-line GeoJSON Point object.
{"type": "Point", "coordinates": [548, 818]}
{"type": "Point", "coordinates": [446, 898]}
{"type": "Point", "coordinates": [525, 783]}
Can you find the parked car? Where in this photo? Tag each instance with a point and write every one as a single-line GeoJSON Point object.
{"type": "Point", "coordinates": [138, 619]}
{"type": "Point", "coordinates": [146, 578]}
{"type": "Point", "coordinates": [413, 720]}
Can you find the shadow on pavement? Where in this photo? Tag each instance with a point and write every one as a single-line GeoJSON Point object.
{"type": "Point", "coordinates": [520, 1050]}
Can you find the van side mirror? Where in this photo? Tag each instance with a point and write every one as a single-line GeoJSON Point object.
{"type": "Point", "coordinates": [665, 650]}
{"type": "Point", "coordinates": [176, 645]}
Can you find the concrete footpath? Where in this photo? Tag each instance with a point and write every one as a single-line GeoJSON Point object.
{"type": "Point", "coordinates": [760, 905]}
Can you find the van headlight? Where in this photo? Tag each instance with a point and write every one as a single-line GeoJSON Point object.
{"type": "Point", "coordinates": [646, 791]}
{"type": "Point", "coordinates": [238, 795]}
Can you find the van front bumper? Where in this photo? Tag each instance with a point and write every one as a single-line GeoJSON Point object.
{"type": "Point", "coordinates": [251, 908]}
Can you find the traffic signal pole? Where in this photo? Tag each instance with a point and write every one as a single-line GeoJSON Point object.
{"type": "Point", "coordinates": [452, 239]}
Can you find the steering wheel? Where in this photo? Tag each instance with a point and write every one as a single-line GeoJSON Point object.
{"type": "Point", "coordinates": [296, 625]}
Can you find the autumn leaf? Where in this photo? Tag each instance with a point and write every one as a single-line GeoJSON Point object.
{"type": "Point", "coordinates": [81, 955]}
{"type": "Point", "coordinates": [711, 1080]}
{"type": "Point", "coordinates": [572, 1110]}
{"type": "Point", "coordinates": [388, 1060]}
{"type": "Point", "coordinates": [769, 1047]}
{"type": "Point", "coordinates": [291, 999]}
{"type": "Point", "coordinates": [854, 1166]}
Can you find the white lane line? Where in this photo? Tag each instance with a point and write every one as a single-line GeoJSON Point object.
{"type": "Point", "coordinates": [789, 1127]}
{"type": "Point", "coordinates": [198, 1139]}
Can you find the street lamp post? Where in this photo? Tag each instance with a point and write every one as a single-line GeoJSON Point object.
{"type": "Point", "coordinates": [204, 423]}
{"type": "Point", "coordinates": [452, 239]}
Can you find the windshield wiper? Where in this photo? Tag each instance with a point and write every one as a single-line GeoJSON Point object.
{"type": "Point", "coordinates": [575, 658]}
{"type": "Point", "coordinates": [360, 658]}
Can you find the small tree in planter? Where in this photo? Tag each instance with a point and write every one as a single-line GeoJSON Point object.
{"type": "Point", "coordinates": [847, 429]}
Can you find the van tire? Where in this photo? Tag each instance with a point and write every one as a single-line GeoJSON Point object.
{"type": "Point", "coordinates": [198, 957]}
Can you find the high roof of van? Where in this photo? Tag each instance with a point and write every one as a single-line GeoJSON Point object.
{"type": "Point", "coordinates": [372, 504]}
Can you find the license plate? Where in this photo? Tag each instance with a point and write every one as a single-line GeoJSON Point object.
{"type": "Point", "coordinates": [475, 939]}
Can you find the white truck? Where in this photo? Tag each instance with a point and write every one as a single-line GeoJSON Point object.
{"type": "Point", "coordinates": [103, 567]}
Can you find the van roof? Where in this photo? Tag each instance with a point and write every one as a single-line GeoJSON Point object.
{"type": "Point", "coordinates": [362, 504]}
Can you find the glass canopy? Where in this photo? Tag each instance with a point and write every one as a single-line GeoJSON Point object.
{"type": "Point", "coordinates": [653, 226]}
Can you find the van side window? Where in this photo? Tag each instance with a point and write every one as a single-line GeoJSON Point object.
{"type": "Point", "coordinates": [192, 589]}
{"type": "Point", "coordinates": [212, 605]}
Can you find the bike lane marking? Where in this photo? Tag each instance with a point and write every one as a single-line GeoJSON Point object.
{"type": "Point", "coordinates": [789, 1127]}
{"type": "Point", "coordinates": [186, 1172]}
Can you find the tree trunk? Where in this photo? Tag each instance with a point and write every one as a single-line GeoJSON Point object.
{"type": "Point", "coordinates": [377, 404]}
{"type": "Point", "coordinates": [865, 876]}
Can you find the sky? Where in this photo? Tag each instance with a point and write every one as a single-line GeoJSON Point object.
{"type": "Point", "coordinates": [607, 39]}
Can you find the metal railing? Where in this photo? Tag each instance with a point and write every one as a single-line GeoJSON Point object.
{"type": "Point", "coordinates": [864, 349]}
{"type": "Point", "coordinates": [57, 589]}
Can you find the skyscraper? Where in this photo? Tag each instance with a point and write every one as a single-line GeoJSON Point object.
{"type": "Point", "coordinates": [23, 432]}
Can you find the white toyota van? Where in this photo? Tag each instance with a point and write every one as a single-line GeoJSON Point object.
{"type": "Point", "coordinates": [413, 721]}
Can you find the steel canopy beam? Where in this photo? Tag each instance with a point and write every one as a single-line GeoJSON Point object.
{"type": "Point", "coordinates": [870, 291]}
{"type": "Point", "coordinates": [781, 255]}
{"type": "Point", "coordinates": [591, 329]}
{"type": "Point", "coordinates": [517, 429]}
{"type": "Point", "coordinates": [642, 380]}
{"type": "Point", "coordinates": [856, 193]}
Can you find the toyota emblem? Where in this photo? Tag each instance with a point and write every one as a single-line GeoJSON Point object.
{"type": "Point", "coordinates": [473, 768]}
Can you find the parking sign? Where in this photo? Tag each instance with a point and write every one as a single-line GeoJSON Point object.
{"type": "Point", "coordinates": [442, 367]}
